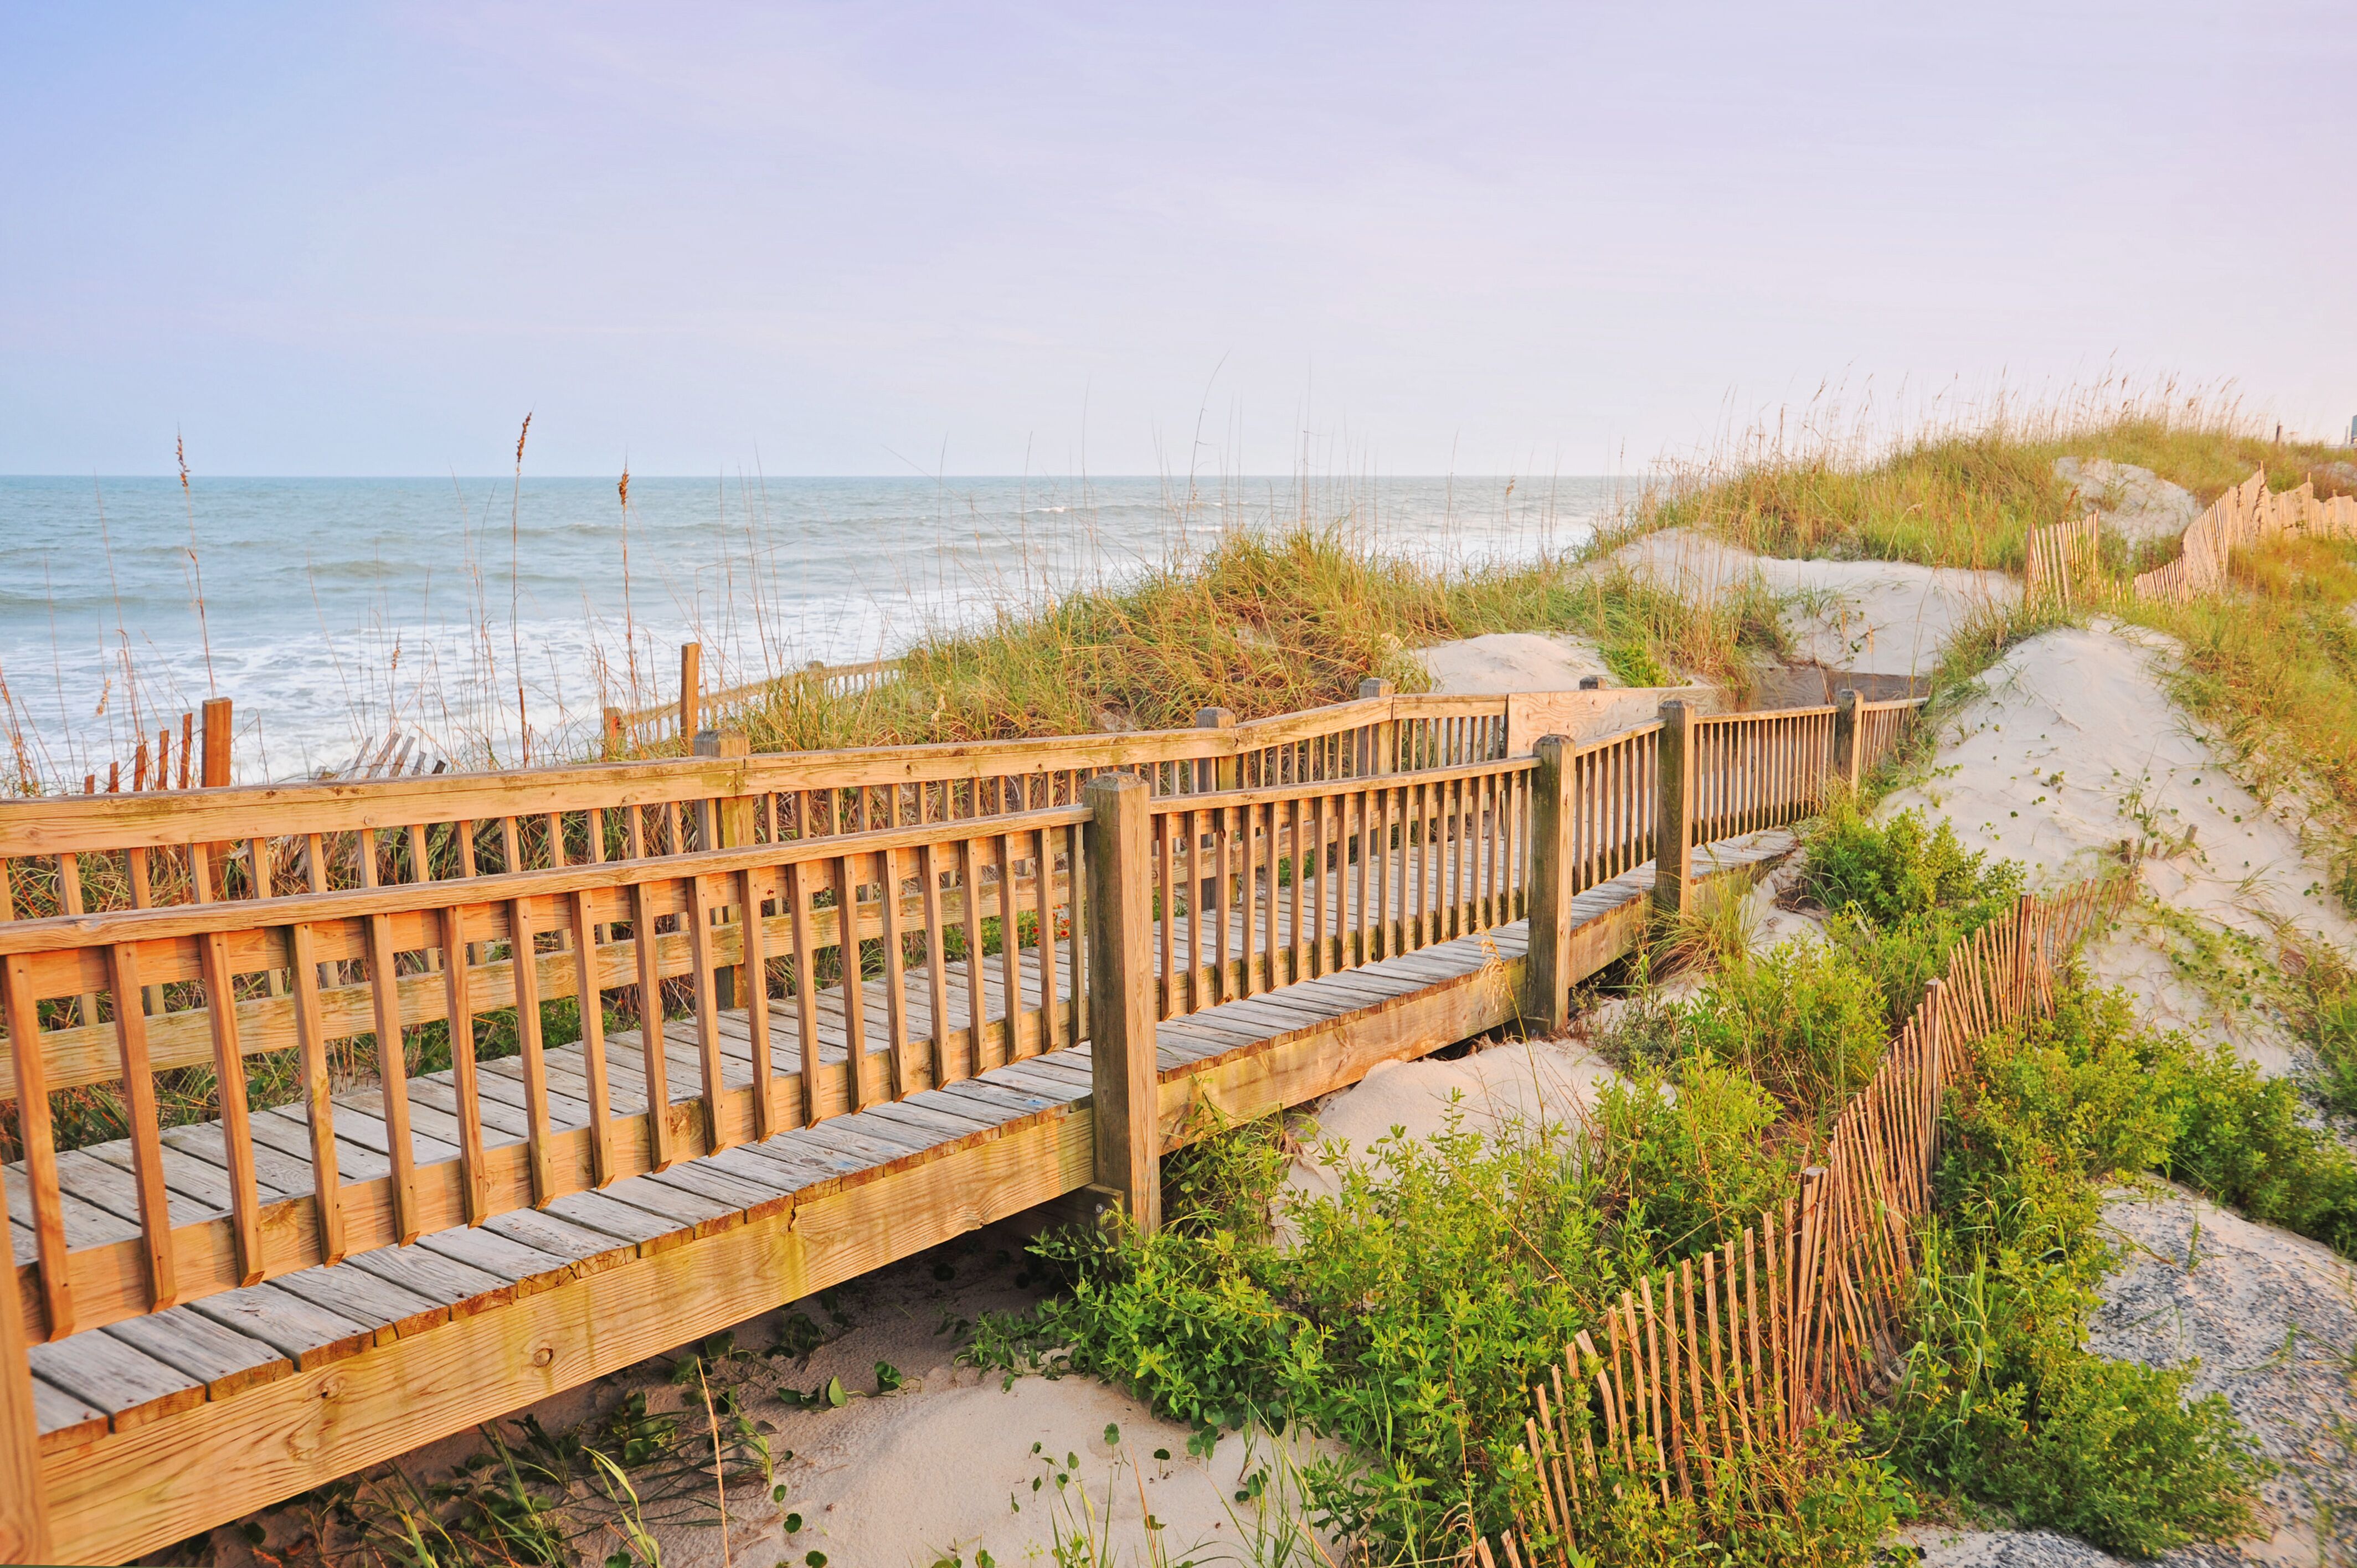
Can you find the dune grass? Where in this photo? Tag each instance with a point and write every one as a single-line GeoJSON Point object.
{"type": "Point", "coordinates": [1262, 624]}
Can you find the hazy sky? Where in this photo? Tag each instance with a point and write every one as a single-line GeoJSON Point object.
{"type": "Point", "coordinates": [885, 238]}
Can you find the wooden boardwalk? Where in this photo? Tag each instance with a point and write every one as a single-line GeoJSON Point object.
{"type": "Point", "coordinates": [147, 1369]}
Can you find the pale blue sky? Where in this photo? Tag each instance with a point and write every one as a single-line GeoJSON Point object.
{"type": "Point", "coordinates": [355, 240]}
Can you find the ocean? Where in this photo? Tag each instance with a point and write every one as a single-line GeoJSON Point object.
{"type": "Point", "coordinates": [335, 610]}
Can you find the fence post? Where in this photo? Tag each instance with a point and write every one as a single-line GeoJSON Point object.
{"type": "Point", "coordinates": [1674, 829]}
{"type": "Point", "coordinates": [1124, 1087]}
{"type": "Point", "coordinates": [216, 742]}
{"type": "Point", "coordinates": [1547, 991]}
{"type": "Point", "coordinates": [1223, 768]}
{"type": "Point", "coordinates": [727, 823]}
{"type": "Point", "coordinates": [611, 742]}
{"type": "Point", "coordinates": [1386, 736]}
{"type": "Point", "coordinates": [691, 687]}
{"type": "Point", "coordinates": [1845, 737]}
{"type": "Point", "coordinates": [24, 1506]}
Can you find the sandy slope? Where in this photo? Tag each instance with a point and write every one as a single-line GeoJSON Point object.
{"type": "Point", "coordinates": [1506, 662]}
{"type": "Point", "coordinates": [2134, 503]}
{"type": "Point", "coordinates": [2075, 750]}
{"type": "Point", "coordinates": [1880, 618]}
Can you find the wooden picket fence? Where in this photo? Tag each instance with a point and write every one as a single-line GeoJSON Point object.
{"type": "Point", "coordinates": [1732, 1357]}
{"type": "Point", "coordinates": [2062, 560]}
{"type": "Point", "coordinates": [2244, 516]}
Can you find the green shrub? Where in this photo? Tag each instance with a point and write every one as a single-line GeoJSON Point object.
{"type": "Point", "coordinates": [2000, 1398]}
{"type": "Point", "coordinates": [1688, 1158]}
{"type": "Point", "coordinates": [1806, 1020]}
{"type": "Point", "coordinates": [1889, 872]}
{"type": "Point", "coordinates": [1415, 1309]}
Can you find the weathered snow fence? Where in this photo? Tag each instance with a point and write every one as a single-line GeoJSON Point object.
{"type": "Point", "coordinates": [1732, 1356]}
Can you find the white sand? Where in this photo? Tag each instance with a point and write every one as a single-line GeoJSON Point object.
{"type": "Point", "coordinates": [1526, 1082]}
{"type": "Point", "coordinates": [1878, 618]}
{"type": "Point", "coordinates": [2075, 750]}
{"type": "Point", "coordinates": [2134, 503]}
{"type": "Point", "coordinates": [1508, 661]}
{"type": "Point", "coordinates": [943, 1466]}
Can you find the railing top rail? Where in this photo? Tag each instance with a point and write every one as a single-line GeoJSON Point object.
{"type": "Point", "coordinates": [77, 823]}
{"type": "Point", "coordinates": [63, 932]}
{"type": "Point", "coordinates": [1176, 805]}
{"type": "Point", "coordinates": [1755, 715]}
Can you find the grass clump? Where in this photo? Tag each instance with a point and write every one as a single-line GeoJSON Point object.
{"type": "Point", "coordinates": [1262, 624]}
{"type": "Point", "coordinates": [1414, 1309]}
{"type": "Point", "coordinates": [1999, 1401]}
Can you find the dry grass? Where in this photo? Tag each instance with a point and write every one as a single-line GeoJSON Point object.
{"type": "Point", "coordinates": [1262, 624]}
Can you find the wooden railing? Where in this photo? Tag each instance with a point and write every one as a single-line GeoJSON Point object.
{"type": "Point", "coordinates": [1702, 1370]}
{"type": "Point", "coordinates": [852, 916]}
{"type": "Point", "coordinates": [1265, 888]}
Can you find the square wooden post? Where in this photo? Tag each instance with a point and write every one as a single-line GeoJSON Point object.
{"type": "Point", "coordinates": [611, 742]}
{"type": "Point", "coordinates": [1223, 768]}
{"type": "Point", "coordinates": [691, 687]}
{"type": "Point", "coordinates": [24, 1506]}
{"type": "Point", "coordinates": [1547, 991]}
{"type": "Point", "coordinates": [1386, 734]}
{"type": "Point", "coordinates": [1846, 747]}
{"type": "Point", "coordinates": [1674, 828]}
{"type": "Point", "coordinates": [728, 823]}
{"type": "Point", "coordinates": [217, 742]}
{"type": "Point", "coordinates": [1124, 1085]}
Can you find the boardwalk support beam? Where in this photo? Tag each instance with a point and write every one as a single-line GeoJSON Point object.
{"type": "Point", "coordinates": [1124, 1085]}
{"type": "Point", "coordinates": [1673, 829]}
{"type": "Point", "coordinates": [1547, 1001]}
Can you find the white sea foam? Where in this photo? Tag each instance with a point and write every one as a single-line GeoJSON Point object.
{"type": "Point", "coordinates": [336, 608]}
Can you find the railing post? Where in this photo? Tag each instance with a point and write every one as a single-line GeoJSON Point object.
{"type": "Point", "coordinates": [691, 686]}
{"type": "Point", "coordinates": [24, 1506]}
{"type": "Point", "coordinates": [1845, 737]}
{"type": "Point", "coordinates": [727, 823]}
{"type": "Point", "coordinates": [1546, 993]}
{"type": "Point", "coordinates": [1674, 829]}
{"type": "Point", "coordinates": [611, 742]}
{"type": "Point", "coordinates": [216, 742]}
{"type": "Point", "coordinates": [1386, 757]}
{"type": "Point", "coordinates": [1223, 768]}
{"type": "Point", "coordinates": [1124, 1087]}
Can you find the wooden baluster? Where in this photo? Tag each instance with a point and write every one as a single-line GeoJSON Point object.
{"type": "Point", "coordinates": [701, 959]}
{"type": "Point", "coordinates": [1165, 872]}
{"type": "Point", "coordinates": [1043, 902]}
{"type": "Point", "coordinates": [38, 1136]}
{"type": "Point", "coordinates": [236, 1125]}
{"type": "Point", "coordinates": [1222, 835]}
{"type": "Point", "coordinates": [319, 1110]}
{"type": "Point", "coordinates": [937, 979]}
{"type": "Point", "coordinates": [798, 901]}
{"type": "Point", "coordinates": [854, 983]}
{"type": "Point", "coordinates": [970, 865]}
{"type": "Point", "coordinates": [896, 984]}
{"type": "Point", "coordinates": [662, 1149]}
{"type": "Point", "coordinates": [755, 998]}
{"type": "Point", "coordinates": [140, 1116]}
{"type": "Point", "coordinates": [69, 903]}
{"type": "Point", "coordinates": [393, 1077]}
{"type": "Point", "coordinates": [524, 963]}
{"type": "Point", "coordinates": [592, 1000]}
{"type": "Point", "coordinates": [1010, 944]}
{"type": "Point", "coordinates": [473, 1179]}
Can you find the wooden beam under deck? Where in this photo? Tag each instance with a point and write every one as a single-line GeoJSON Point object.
{"type": "Point", "coordinates": [416, 1348]}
